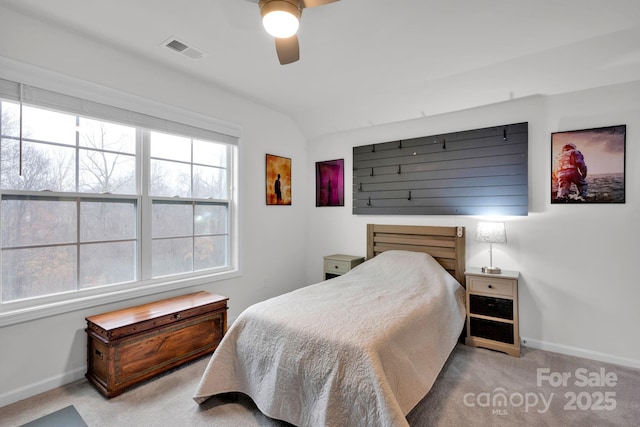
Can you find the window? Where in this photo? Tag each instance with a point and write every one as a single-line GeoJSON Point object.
{"type": "Point", "coordinates": [55, 244]}
{"type": "Point", "coordinates": [90, 203]}
{"type": "Point", "coordinates": [188, 235]}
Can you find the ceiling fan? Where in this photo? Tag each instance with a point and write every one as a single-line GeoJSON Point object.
{"type": "Point", "coordinates": [281, 19]}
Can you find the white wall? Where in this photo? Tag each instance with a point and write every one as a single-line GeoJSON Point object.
{"type": "Point", "coordinates": [42, 354]}
{"type": "Point", "coordinates": [578, 286]}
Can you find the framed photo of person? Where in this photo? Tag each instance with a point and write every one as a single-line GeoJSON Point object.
{"type": "Point", "coordinates": [278, 180]}
{"type": "Point", "coordinates": [588, 166]}
{"type": "Point", "coordinates": [330, 183]}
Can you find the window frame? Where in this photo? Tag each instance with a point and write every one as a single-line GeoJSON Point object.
{"type": "Point", "coordinates": [18, 311]}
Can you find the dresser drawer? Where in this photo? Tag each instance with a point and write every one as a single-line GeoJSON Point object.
{"type": "Point", "coordinates": [491, 330]}
{"type": "Point", "coordinates": [336, 266]}
{"type": "Point", "coordinates": [491, 306]}
{"type": "Point", "coordinates": [492, 286]}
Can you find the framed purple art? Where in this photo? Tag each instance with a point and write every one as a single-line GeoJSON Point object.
{"type": "Point", "coordinates": [330, 183]}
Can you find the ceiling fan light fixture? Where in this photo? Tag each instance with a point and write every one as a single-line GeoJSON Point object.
{"type": "Point", "coordinates": [280, 18]}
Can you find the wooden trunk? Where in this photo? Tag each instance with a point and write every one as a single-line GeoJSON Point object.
{"type": "Point", "coordinates": [125, 347]}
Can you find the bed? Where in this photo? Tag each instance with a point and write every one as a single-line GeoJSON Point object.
{"type": "Point", "coordinates": [361, 349]}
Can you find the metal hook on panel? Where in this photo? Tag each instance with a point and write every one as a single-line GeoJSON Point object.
{"type": "Point", "coordinates": [409, 195]}
{"type": "Point", "coordinates": [400, 144]}
{"type": "Point", "coordinates": [369, 202]}
{"type": "Point", "coordinates": [373, 148]}
{"type": "Point", "coordinates": [399, 169]}
{"type": "Point", "coordinates": [444, 144]}
{"type": "Point", "coordinates": [360, 187]}
{"type": "Point", "coordinates": [504, 134]}
{"type": "Point", "coordinates": [371, 174]}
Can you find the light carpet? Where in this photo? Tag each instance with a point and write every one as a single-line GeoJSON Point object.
{"type": "Point", "coordinates": [477, 387]}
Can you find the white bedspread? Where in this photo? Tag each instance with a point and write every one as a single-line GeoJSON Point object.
{"type": "Point", "coordinates": [358, 350]}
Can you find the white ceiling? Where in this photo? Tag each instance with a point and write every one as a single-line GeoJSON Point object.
{"type": "Point", "coordinates": [370, 62]}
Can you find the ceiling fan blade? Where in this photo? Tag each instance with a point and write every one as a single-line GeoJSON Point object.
{"type": "Point", "coordinates": [314, 3]}
{"type": "Point", "coordinates": [288, 50]}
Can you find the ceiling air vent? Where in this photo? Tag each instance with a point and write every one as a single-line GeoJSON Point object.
{"type": "Point", "coordinates": [183, 48]}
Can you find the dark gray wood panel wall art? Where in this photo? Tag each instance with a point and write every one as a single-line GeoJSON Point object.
{"type": "Point", "coordinates": [474, 172]}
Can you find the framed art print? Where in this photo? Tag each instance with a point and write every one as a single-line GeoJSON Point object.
{"type": "Point", "coordinates": [278, 180]}
{"type": "Point", "coordinates": [588, 166]}
{"type": "Point", "coordinates": [330, 183]}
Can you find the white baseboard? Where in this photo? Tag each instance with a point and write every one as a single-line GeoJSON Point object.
{"type": "Point", "coordinates": [579, 352]}
{"type": "Point", "coordinates": [41, 386]}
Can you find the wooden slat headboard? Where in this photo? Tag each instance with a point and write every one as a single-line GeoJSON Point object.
{"type": "Point", "coordinates": [445, 244]}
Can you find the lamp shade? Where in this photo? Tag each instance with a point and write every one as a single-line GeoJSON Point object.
{"type": "Point", "coordinates": [280, 18]}
{"type": "Point", "coordinates": [491, 232]}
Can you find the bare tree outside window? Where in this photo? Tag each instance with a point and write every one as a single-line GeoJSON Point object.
{"type": "Point", "coordinates": [107, 165]}
{"type": "Point", "coordinates": [70, 220]}
{"type": "Point", "coordinates": [40, 244]}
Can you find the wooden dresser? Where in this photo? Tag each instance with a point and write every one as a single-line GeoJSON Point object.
{"type": "Point", "coordinates": [127, 346]}
{"type": "Point", "coordinates": [338, 264]}
{"type": "Point", "coordinates": [492, 311]}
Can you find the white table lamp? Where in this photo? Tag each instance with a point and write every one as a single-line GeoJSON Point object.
{"type": "Point", "coordinates": [491, 232]}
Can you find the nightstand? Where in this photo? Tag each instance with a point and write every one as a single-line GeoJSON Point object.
{"type": "Point", "coordinates": [338, 264]}
{"type": "Point", "coordinates": [492, 311]}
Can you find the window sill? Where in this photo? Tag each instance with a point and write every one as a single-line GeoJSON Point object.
{"type": "Point", "coordinates": [47, 309]}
